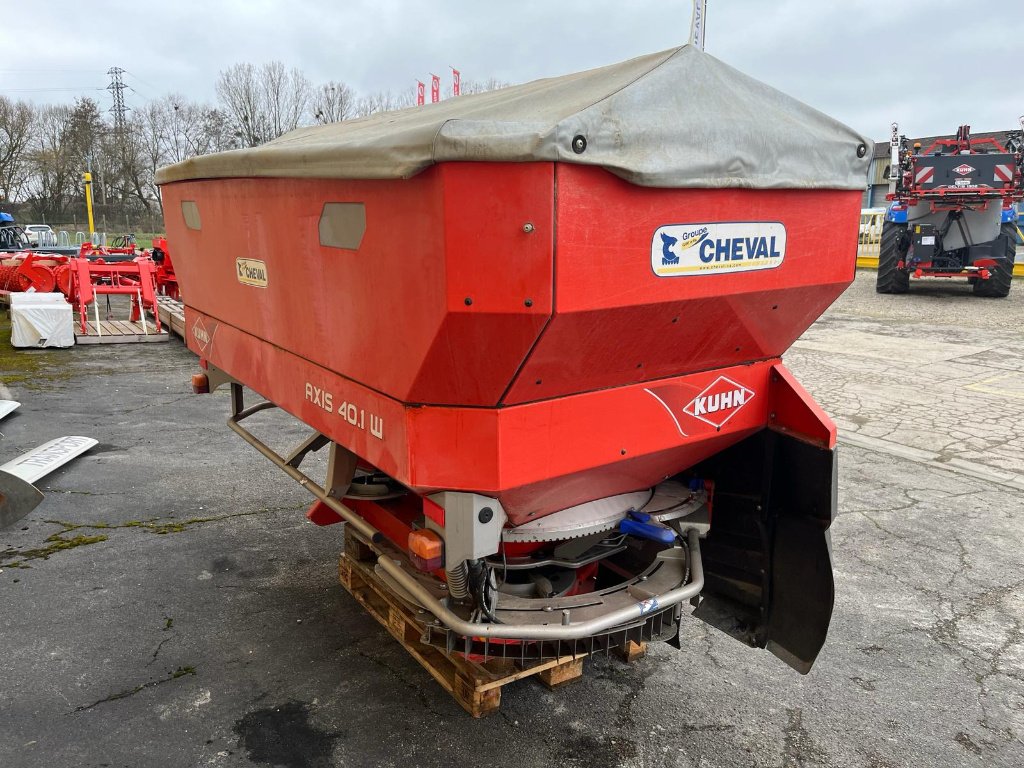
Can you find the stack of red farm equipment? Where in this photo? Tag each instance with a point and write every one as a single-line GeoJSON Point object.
{"type": "Point", "coordinates": [120, 269]}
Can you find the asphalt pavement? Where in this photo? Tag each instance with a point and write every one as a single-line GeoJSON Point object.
{"type": "Point", "coordinates": [169, 605]}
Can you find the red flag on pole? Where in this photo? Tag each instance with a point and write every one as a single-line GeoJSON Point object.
{"type": "Point", "coordinates": [420, 90]}
{"type": "Point", "coordinates": [456, 81]}
{"type": "Point", "coordinates": [435, 88]}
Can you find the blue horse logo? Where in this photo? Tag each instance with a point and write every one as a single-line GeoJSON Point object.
{"type": "Point", "coordinates": [667, 257]}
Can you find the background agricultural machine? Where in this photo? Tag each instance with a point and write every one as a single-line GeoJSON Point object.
{"type": "Point", "coordinates": [119, 269]}
{"type": "Point", "coordinates": [952, 212]}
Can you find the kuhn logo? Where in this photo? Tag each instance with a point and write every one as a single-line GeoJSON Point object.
{"type": "Point", "coordinates": [719, 402]}
{"type": "Point", "coordinates": [199, 334]}
{"type": "Point", "coordinates": [964, 169]}
{"type": "Point", "coordinates": [700, 249]}
{"type": "Point", "coordinates": [715, 405]}
{"type": "Point", "coordinates": [251, 272]}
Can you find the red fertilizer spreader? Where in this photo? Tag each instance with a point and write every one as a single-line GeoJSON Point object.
{"type": "Point", "coordinates": [539, 332]}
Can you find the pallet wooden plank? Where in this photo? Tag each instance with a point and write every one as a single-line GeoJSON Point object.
{"type": "Point", "coordinates": [562, 673]}
{"type": "Point", "coordinates": [475, 687]}
{"type": "Point", "coordinates": [631, 651]}
{"type": "Point", "coordinates": [138, 329]}
{"type": "Point", "coordinates": [142, 330]}
{"type": "Point", "coordinates": [112, 333]}
{"type": "Point", "coordinates": [171, 314]}
{"type": "Point", "coordinates": [537, 669]}
{"type": "Point", "coordinates": [439, 666]}
{"type": "Point", "coordinates": [108, 339]}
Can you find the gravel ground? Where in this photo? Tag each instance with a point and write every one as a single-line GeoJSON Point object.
{"type": "Point", "coordinates": [168, 605]}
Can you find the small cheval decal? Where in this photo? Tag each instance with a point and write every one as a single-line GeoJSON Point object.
{"type": "Point", "coordinates": [251, 272]}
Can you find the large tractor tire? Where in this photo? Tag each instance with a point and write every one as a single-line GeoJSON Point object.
{"type": "Point", "coordinates": [892, 279]}
{"type": "Point", "coordinates": [998, 284]}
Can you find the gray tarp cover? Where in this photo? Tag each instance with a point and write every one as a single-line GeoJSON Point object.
{"type": "Point", "coordinates": [680, 118]}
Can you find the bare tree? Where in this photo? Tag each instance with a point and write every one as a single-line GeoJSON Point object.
{"type": "Point", "coordinates": [383, 101]}
{"type": "Point", "coordinates": [149, 125]}
{"type": "Point", "coordinates": [51, 182]}
{"type": "Point", "coordinates": [263, 102]}
{"type": "Point", "coordinates": [468, 87]}
{"type": "Point", "coordinates": [16, 120]}
{"type": "Point", "coordinates": [218, 133]}
{"type": "Point", "coordinates": [238, 91]}
{"type": "Point", "coordinates": [182, 128]}
{"type": "Point", "coordinates": [44, 150]}
{"type": "Point", "coordinates": [333, 102]}
{"type": "Point", "coordinates": [287, 96]}
{"type": "Point", "coordinates": [172, 129]}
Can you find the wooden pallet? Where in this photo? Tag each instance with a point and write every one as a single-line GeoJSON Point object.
{"type": "Point", "coordinates": [475, 686]}
{"type": "Point", "coordinates": [117, 332]}
{"type": "Point", "coordinates": [172, 314]}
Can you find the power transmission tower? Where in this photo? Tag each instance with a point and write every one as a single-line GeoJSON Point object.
{"type": "Point", "coordinates": [118, 110]}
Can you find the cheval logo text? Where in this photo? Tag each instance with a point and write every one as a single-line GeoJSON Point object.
{"type": "Point", "coordinates": [251, 272]}
{"type": "Point", "coordinates": [678, 250]}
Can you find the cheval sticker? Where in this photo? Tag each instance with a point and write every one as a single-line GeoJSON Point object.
{"type": "Point", "coordinates": [251, 272]}
{"type": "Point", "coordinates": [678, 250]}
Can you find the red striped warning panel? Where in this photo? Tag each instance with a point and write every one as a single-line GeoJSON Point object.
{"type": "Point", "coordinates": [1004, 173]}
{"type": "Point", "coordinates": [925, 174]}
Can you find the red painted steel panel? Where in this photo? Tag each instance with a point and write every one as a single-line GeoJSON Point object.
{"type": "Point", "coordinates": [616, 322]}
{"type": "Point", "coordinates": [792, 410]}
{"type": "Point", "coordinates": [499, 280]}
{"type": "Point", "coordinates": [391, 315]}
{"type": "Point", "coordinates": [535, 458]}
{"type": "Point", "coordinates": [392, 350]}
{"type": "Point", "coordinates": [300, 388]}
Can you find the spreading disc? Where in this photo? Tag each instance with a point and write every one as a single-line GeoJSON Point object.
{"type": "Point", "coordinates": [581, 520]}
{"type": "Point", "coordinates": [669, 501]}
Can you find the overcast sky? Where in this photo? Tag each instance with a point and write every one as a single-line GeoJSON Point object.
{"type": "Point", "coordinates": [928, 64]}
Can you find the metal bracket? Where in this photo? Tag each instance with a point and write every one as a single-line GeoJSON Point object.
{"type": "Point", "coordinates": [341, 469]}
{"type": "Point", "coordinates": [239, 413]}
{"type": "Point", "coordinates": [311, 444]}
{"type": "Point", "coordinates": [217, 377]}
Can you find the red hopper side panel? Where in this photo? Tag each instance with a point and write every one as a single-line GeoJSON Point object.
{"type": "Point", "coordinates": [616, 322]}
{"type": "Point", "coordinates": [518, 330]}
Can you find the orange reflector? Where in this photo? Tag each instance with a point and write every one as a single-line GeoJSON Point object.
{"type": "Point", "coordinates": [425, 544]}
{"type": "Point", "coordinates": [200, 384]}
